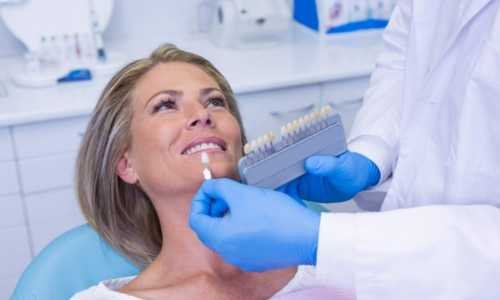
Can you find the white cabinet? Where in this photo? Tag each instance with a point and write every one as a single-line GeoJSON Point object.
{"type": "Point", "coordinates": [346, 97]}
{"type": "Point", "coordinates": [47, 138]}
{"type": "Point", "coordinates": [8, 178]}
{"type": "Point", "coordinates": [43, 207]}
{"type": "Point", "coordinates": [14, 253]}
{"type": "Point", "coordinates": [47, 152]}
{"type": "Point", "coordinates": [6, 152]}
{"type": "Point", "coordinates": [47, 172]}
{"type": "Point", "coordinates": [8, 173]}
{"type": "Point", "coordinates": [11, 212]}
{"type": "Point", "coordinates": [269, 110]}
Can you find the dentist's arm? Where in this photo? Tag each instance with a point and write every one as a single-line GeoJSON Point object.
{"type": "Point", "coordinates": [374, 138]}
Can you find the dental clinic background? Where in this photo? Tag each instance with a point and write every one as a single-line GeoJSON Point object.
{"type": "Point", "coordinates": [51, 75]}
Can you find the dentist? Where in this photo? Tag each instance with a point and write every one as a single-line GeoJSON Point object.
{"type": "Point", "coordinates": [429, 130]}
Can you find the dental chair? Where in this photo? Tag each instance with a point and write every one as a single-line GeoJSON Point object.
{"type": "Point", "coordinates": [73, 262]}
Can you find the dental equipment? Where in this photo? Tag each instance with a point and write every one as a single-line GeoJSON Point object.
{"type": "Point", "coordinates": [248, 23]}
{"type": "Point", "coordinates": [68, 36]}
{"type": "Point", "coordinates": [205, 160]}
{"type": "Point", "coordinates": [99, 44]}
{"type": "Point", "coordinates": [270, 162]}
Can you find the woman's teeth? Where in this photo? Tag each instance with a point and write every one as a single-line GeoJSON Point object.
{"type": "Point", "coordinates": [202, 147]}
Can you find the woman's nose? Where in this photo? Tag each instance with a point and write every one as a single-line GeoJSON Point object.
{"type": "Point", "coordinates": [201, 118]}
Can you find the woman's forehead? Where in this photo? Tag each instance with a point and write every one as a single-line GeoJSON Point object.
{"type": "Point", "coordinates": [175, 75]}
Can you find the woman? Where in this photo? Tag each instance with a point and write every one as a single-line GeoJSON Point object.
{"type": "Point", "coordinates": [139, 167]}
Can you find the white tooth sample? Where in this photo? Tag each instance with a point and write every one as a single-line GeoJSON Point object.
{"type": "Point", "coordinates": [265, 143]}
{"type": "Point", "coordinates": [254, 145]}
{"type": "Point", "coordinates": [261, 143]}
{"type": "Point", "coordinates": [295, 127]}
{"type": "Point", "coordinates": [289, 130]}
{"type": "Point", "coordinates": [307, 119]}
{"type": "Point", "coordinates": [302, 124]}
{"type": "Point", "coordinates": [270, 144]}
{"type": "Point", "coordinates": [205, 161]}
{"type": "Point", "coordinates": [247, 148]}
{"type": "Point", "coordinates": [271, 134]}
{"type": "Point", "coordinates": [329, 108]}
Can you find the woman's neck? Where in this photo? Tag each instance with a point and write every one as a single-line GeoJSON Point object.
{"type": "Point", "coordinates": [182, 254]}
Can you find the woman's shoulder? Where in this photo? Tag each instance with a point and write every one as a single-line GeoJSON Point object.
{"type": "Point", "coordinates": [106, 290]}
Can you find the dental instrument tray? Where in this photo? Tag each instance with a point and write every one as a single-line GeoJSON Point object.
{"type": "Point", "coordinates": [271, 162]}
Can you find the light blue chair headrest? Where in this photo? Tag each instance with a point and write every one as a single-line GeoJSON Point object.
{"type": "Point", "coordinates": [73, 262]}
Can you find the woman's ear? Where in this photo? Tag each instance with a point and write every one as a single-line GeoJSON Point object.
{"type": "Point", "coordinates": [125, 170]}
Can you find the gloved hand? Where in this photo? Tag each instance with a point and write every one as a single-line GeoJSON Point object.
{"type": "Point", "coordinates": [333, 179]}
{"type": "Point", "coordinates": [261, 229]}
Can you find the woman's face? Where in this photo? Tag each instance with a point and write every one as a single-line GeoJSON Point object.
{"type": "Point", "coordinates": [179, 111]}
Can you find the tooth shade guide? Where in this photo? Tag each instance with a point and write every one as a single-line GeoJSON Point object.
{"type": "Point", "coordinates": [292, 132]}
{"type": "Point", "coordinates": [282, 158]}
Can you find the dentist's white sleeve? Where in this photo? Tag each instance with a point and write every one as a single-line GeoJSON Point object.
{"type": "Point", "coordinates": [434, 252]}
{"type": "Point", "coordinates": [375, 132]}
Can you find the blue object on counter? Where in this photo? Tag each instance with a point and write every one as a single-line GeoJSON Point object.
{"type": "Point", "coordinates": [337, 16]}
{"type": "Point", "coordinates": [76, 75]}
{"type": "Point", "coordinates": [306, 13]}
{"type": "Point", "coordinates": [355, 26]}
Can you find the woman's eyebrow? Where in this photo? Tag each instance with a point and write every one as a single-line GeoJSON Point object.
{"type": "Point", "coordinates": [176, 94]}
{"type": "Point", "coordinates": [172, 93]}
{"type": "Point", "coordinates": [206, 91]}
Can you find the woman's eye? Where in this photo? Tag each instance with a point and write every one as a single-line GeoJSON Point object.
{"type": "Point", "coordinates": [164, 105]}
{"type": "Point", "coordinates": [216, 101]}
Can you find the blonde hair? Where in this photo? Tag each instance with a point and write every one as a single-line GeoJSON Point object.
{"type": "Point", "coordinates": [122, 213]}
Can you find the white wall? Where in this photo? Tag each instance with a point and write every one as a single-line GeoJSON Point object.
{"type": "Point", "coordinates": [131, 18]}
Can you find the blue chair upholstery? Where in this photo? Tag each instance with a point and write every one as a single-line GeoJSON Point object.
{"type": "Point", "coordinates": [74, 261]}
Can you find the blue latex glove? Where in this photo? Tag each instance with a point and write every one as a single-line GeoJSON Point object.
{"type": "Point", "coordinates": [333, 179]}
{"type": "Point", "coordinates": [259, 230]}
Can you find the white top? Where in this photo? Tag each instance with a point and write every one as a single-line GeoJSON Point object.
{"type": "Point", "coordinates": [304, 279]}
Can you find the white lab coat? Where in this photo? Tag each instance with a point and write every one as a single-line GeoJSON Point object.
{"type": "Point", "coordinates": [429, 122]}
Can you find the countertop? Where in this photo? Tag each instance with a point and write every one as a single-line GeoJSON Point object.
{"type": "Point", "coordinates": [299, 59]}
